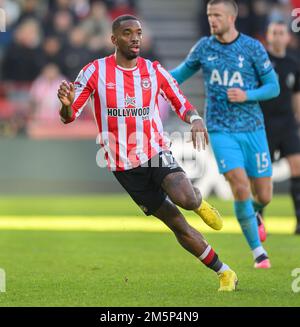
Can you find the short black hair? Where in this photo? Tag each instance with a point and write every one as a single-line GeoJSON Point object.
{"type": "Point", "coordinates": [117, 22]}
{"type": "Point", "coordinates": [279, 22]}
{"type": "Point", "coordinates": [231, 3]}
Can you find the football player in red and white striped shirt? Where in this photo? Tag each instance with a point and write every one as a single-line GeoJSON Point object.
{"type": "Point", "coordinates": [124, 90]}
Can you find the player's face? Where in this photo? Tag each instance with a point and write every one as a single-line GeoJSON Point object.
{"type": "Point", "coordinates": [128, 38]}
{"type": "Point", "coordinates": [220, 19]}
{"type": "Point", "coordinates": [278, 35]}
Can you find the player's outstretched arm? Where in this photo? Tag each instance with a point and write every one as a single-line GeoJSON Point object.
{"type": "Point", "coordinates": [269, 89]}
{"type": "Point", "coordinates": [191, 64]}
{"type": "Point", "coordinates": [66, 95]}
{"type": "Point", "coordinates": [182, 72]}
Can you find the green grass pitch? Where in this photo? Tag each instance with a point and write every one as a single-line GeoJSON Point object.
{"type": "Point", "coordinates": [102, 251]}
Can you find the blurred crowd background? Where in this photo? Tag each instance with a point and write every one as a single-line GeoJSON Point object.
{"type": "Point", "coordinates": [49, 40]}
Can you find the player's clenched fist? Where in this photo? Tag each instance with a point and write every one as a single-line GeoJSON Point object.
{"type": "Point", "coordinates": [66, 93]}
{"type": "Point", "coordinates": [236, 95]}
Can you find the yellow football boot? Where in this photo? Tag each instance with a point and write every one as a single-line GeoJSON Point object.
{"type": "Point", "coordinates": [210, 215]}
{"type": "Point", "coordinates": [228, 281]}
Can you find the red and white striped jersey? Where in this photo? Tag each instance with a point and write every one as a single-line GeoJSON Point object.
{"type": "Point", "coordinates": [125, 104]}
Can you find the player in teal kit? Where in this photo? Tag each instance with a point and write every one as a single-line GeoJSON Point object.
{"type": "Point", "coordinates": [237, 74]}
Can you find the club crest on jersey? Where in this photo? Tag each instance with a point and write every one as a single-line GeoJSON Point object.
{"type": "Point", "coordinates": [146, 83]}
{"type": "Point", "coordinates": [226, 79]}
{"type": "Point", "coordinates": [129, 101]}
{"type": "Point", "coordinates": [241, 61]}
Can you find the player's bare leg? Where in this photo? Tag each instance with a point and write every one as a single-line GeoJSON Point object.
{"type": "Point", "coordinates": [186, 235]}
{"type": "Point", "coordinates": [245, 214]}
{"type": "Point", "coordinates": [262, 190]}
{"type": "Point", "coordinates": [181, 191]}
{"type": "Point", "coordinates": [294, 163]}
{"type": "Point", "coordinates": [193, 241]}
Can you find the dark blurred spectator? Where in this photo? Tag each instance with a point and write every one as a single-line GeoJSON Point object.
{"type": "Point", "coordinates": [259, 18]}
{"type": "Point", "coordinates": [52, 52]}
{"type": "Point", "coordinates": [99, 47]}
{"type": "Point", "coordinates": [121, 7]}
{"type": "Point", "coordinates": [98, 21]}
{"type": "Point", "coordinates": [81, 8]}
{"type": "Point", "coordinates": [31, 9]}
{"type": "Point", "coordinates": [201, 18]}
{"type": "Point", "coordinates": [98, 30]}
{"type": "Point", "coordinates": [112, 4]}
{"type": "Point", "coordinates": [78, 9]}
{"type": "Point", "coordinates": [75, 54]}
{"type": "Point", "coordinates": [57, 5]}
{"type": "Point", "coordinates": [61, 25]}
{"type": "Point", "coordinates": [21, 61]}
{"type": "Point", "coordinates": [244, 19]}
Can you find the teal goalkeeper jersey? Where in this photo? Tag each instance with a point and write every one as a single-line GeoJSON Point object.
{"type": "Point", "coordinates": [239, 64]}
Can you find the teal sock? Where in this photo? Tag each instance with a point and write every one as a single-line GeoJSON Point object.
{"type": "Point", "coordinates": [258, 207]}
{"type": "Point", "coordinates": [246, 217]}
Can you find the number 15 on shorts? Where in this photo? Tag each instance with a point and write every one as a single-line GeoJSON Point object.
{"type": "Point", "coordinates": [262, 162]}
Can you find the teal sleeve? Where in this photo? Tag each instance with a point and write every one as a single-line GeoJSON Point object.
{"type": "Point", "coordinates": [183, 72]}
{"type": "Point", "coordinates": [269, 89]}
